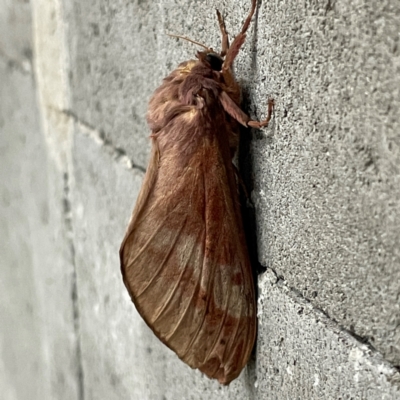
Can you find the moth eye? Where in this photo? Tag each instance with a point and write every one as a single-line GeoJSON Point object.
{"type": "Point", "coordinates": [215, 61]}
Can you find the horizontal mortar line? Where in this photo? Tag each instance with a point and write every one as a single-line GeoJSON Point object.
{"type": "Point", "coordinates": [297, 296]}
{"type": "Point", "coordinates": [100, 138]}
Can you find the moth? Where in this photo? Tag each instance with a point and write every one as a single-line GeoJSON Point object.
{"type": "Point", "coordinates": [184, 258]}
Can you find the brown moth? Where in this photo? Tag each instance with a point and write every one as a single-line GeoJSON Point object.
{"type": "Point", "coordinates": [184, 258]}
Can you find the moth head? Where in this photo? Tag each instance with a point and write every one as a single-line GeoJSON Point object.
{"type": "Point", "coordinates": [208, 57]}
{"type": "Point", "coordinates": [211, 59]}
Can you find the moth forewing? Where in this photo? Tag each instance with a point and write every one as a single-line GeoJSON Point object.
{"type": "Point", "coordinates": [184, 258]}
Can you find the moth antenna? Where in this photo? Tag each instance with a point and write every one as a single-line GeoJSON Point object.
{"type": "Point", "coordinates": [239, 39]}
{"type": "Point", "coordinates": [249, 17]}
{"type": "Point", "coordinates": [189, 40]}
{"type": "Point", "coordinates": [225, 38]}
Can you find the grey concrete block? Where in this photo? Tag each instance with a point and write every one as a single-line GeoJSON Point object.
{"type": "Point", "coordinates": [37, 337]}
{"type": "Point", "coordinates": [301, 354]}
{"type": "Point", "coordinates": [113, 338]}
{"type": "Point", "coordinates": [325, 188]}
{"type": "Point", "coordinates": [15, 32]}
{"type": "Point", "coordinates": [21, 353]}
{"type": "Point", "coordinates": [316, 171]}
{"type": "Point", "coordinates": [113, 51]}
{"type": "Point", "coordinates": [326, 173]}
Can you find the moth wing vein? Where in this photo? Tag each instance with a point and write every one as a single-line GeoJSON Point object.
{"type": "Point", "coordinates": [171, 334]}
{"type": "Point", "coordinates": [170, 297]}
{"type": "Point", "coordinates": [164, 261]}
{"type": "Point", "coordinates": [210, 283]}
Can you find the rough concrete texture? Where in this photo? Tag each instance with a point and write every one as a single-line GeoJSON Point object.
{"type": "Point", "coordinates": [324, 179]}
{"type": "Point", "coordinates": [327, 175]}
{"type": "Point", "coordinates": [38, 341]}
{"type": "Point", "coordinates": [301, 354]}
{"type": "Point", "coordinates": [20, 356]}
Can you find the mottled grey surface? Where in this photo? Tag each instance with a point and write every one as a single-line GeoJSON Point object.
{"type": "Point", "coordinates": [301, 354]}
{"type": "Point", "coordinates": [22, 358]}
{"type": "Point", "coordinates": [38, 357]}
{"type": "Point", "coordinates": [327, 174]}
{"type": "Point", "coordinates": [325, 180]}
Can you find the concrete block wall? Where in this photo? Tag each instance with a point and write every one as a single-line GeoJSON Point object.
{"type": "Point", "coordinates": [75, 79]}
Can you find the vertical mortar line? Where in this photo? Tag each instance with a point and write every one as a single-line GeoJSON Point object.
{"type": "Point", "coordinates": [52, 64]}
{"type": "Point", "coordinates": [67, 211]}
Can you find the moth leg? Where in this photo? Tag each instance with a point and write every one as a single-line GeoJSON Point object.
{"type": "Point", "coordinates": [225, 38]}
{"type": "Point", "coordinates": [236, 112]}
{"type": "Point", "coordinates": [260, 124]}
{"type": "Point", "coordinates": [239, 39]}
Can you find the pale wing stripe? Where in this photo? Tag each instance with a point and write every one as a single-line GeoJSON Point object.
{"type": "Point", "coordinates": [164, 261]}
{"type": "Point", "coordinates": [233, 337]}
{"type": "Point", "coordinates": [176, 284]}
{"type": "Point", "coordinates": [144, 247]}
{"type": "Point", "coordinates": [220, 326]}
{"type": "Point", "coordinates": [196, 290]}
{"type": "Point", "coordinates": [171, 334]}
{"type": "Point", "coordinates": [210, 280]}
{"type": "Point", "coordinates": [194, 338]}
{"type": "Point", "coordinates": [226, 308]}
{"type": "Point", "coordinates": [249, 329]}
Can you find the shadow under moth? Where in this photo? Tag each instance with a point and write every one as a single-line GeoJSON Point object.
{"type": "Point", "coordinates": [184, 258]}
